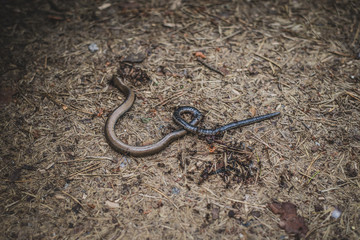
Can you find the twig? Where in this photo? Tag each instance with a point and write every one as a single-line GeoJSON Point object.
{"type": "Point", "coordinates": [87, 169]}
{"type": "Point", "coordinates": [224, 38]}
{"type": "Point", "coordinates": [247, 203]}
{"type": "Point", "coordinates": [73, 198]}
{"type": "Point", "coordinates": [261, 141]}
{"type": "Point", "coordinates": [351, 95]}
{"type": "Point", "coordinates": [212, 15]}
{"type": "Point", "coordinates": [312, 162]}
{"type": "Point", "coordinates": [171, 98]}
{"type": "Point", "coordinates": [48, 207]}
{"type": "Point", "coordinates": [183, 28]}
{"type": "Point", "coordinates": [210, 67]}
{"type": "Point", "coordinates": [64, 106]}
{"type": "Point", "coordinates": [341, 54]}
{"type": "Point", "coordinates": [257, 51]}
{"type": "Point", "coordinates": [356, 35]}
{"type": "Point", "coordinates": [106, 175]}
{"type": "Point", "coordinates": [268, 59]}
{"type": "Point", "coordinates": [88, 159]}
{"type": "Point", "coordinates": [161, 193]}
{"type": "Point", "coordinates": [304, 175]}
{"type": "Point", "coordinates": [318, 227]}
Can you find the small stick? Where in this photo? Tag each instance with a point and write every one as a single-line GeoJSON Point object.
{"type": "Point", "coordinates": [312, 162]}
{"type": "Point", "coordinates": [100, 175]}
{"type": "Point", "coordinates": [351, 95]}
{"type": "Point", "coordinates": [247, 203]}
{"type": "Point", "coordinates": [210, 67]}
{"type": "Point", "coordinates": [341, 54]}
{"type": "Point", "coordinates": [64, 106]}
{"type": "Point", "coordinates": [268, 59]}
{"type": "Point", "coordinates": [261, 141]}
{"type": "Point", "coordinates": [88, 168]}
{"type": "Point", "coordinates": [356, 35]}
{"type": "Point", "coordinates": [171, 98]}
{"type": "Point", "coordinates": [88, 159]}
{"type": "Point", "coordinates": [156, 190]}
{"type": "Point", "coordinates": [258, 50]}
{"type": "Point", "coordinates": [183, 28]}
{"type": "Point", "coordinates": [73, 198]}
{"type": "Point", "coordinates": [224, 38]}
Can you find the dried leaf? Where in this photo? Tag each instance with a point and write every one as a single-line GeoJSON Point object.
{"type": "Point", "coordinates": [290, 220]}
{"type": "Point", "coordinates": [252, 111]}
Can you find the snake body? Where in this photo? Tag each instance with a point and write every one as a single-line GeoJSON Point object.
{"type": "Point", "coordinates": [137, 151]}
{"type": "Point", "coordinates": [140, 151]}
{"type": "Point", "coordinates": [211, 132]}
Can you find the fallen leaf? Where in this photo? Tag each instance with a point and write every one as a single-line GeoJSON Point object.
{"type": "Point", "coordinates": [289, 219]}
{"type": "Point", "coordinates": [252, 111]}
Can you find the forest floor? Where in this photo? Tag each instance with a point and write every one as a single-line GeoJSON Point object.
{"type": "Point", "coordinates": [293, 176]}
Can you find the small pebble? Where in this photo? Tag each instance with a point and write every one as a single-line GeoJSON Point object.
{"type": "Point", "coordinates": [175, 190]}
{"type": "Point", "coordinates": [93, 47]}
{"type": "Point", "coordinates": [314, 148]}
{"type": "Point", "coordinates": [336, 213]}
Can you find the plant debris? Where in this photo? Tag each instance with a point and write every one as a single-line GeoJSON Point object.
{"type": "Point", "coordinates": [135, 58]}
{"type": "Point", "coordinates": [134, 74]}
{"type": "Point", "coordinates": [289, 219]}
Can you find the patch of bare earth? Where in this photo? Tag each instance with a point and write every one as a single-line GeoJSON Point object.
{"type": "Point", "coordinates": [230, 59]}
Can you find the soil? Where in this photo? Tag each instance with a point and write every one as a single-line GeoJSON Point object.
{"type": "Point", "coordinates": [232, 60]}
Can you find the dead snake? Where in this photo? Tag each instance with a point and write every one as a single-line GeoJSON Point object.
{"type": "Point", "coordinates": [140, 151]}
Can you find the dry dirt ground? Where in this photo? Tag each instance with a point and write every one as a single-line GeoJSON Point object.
{"type": "Point", "coordinates": [230, 59]}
